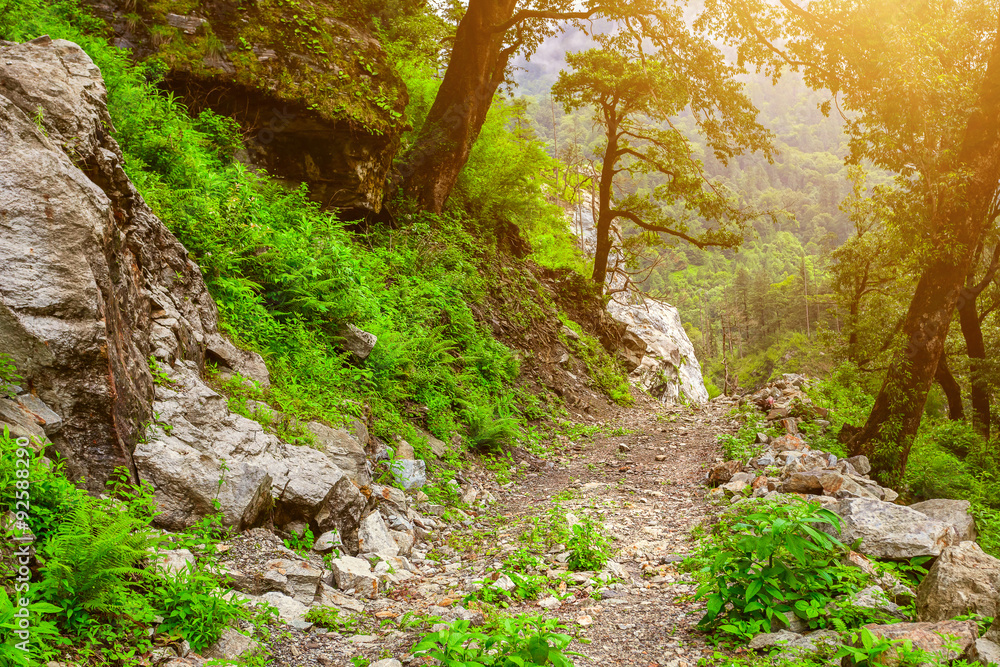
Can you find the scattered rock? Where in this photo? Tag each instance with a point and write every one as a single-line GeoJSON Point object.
{"type": "Point", "coordinates": [354, 574]}
{"type": "Point", "coordinates": [964, 579]}
{"type": "Point", "coordinates": [985, 652]}
{"type": "Point", "coordinates": [891, 531]}
{"type": "Point", "coordinates": [358, 342]}
{"type": "Point", "coordinates": [935, 638]}
{"type": "Point", "coordinates": [410, 474]}
{"type": "Point", "coordinates": [374, 537]}
{"type": "Point", "coordinates": [232, 645]}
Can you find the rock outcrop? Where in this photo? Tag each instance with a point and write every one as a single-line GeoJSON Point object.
{"type": "Point", "coordinates": [110, 324]}
{"type": "Point", "coordinates": [91, 279]}
{"type": "Point", "coordinates": [313, 88]}
{"type": "Point", "coordinates": [668, 369]}
{"type": "Point", "coordinates": [658, 353]}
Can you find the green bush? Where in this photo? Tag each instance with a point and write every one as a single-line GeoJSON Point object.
{"type": "Point", "coordinates": [764, 559]}
{"type": "Point", "coordinates": [193, 607]}
{"type": "Point", "coordinates": [92, 566]}
{"type": "Point", "coordinates": [523, 641]}
{"type": "Point", "coordinates": [589, 548]}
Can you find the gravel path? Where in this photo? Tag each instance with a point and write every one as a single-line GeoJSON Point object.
{"type": "Point", "coordinates": [645, 486]}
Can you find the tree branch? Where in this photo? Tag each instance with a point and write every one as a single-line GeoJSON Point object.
{"type": "Point", "coordinates": [629, 215]}
{"type": "Point", "coordinates": [527, 14]}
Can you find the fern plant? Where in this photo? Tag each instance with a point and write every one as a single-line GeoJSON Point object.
{"type": "Point", "coordinates": [485, 430]}
{"type": "Point", "coordinates": [92, 564]}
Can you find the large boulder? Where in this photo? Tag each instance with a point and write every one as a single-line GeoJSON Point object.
{"type": "Point", "coordinates": [963, 580]}
{"type": "Point", "coordinates": [668, 369]}
{"type": "Point", "coordinates": [91, 280]}
{"type": "Point", "coordinates": [947, 640]}
{"type": "Point", "coordinates": [953, 512]}
{"type": "Point", "coordinates": [891, 531]}
{"type": "Point", "coordinates": [985, 652]}
{"type": "Point", "coordinates": [342, 512]}
{"type": "Point", "coordinates": [825, 482]}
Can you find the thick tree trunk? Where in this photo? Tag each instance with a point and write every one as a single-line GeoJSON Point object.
{"type": "Point", "coordinates": [475, 71]}
{"type": "Point", "coordinates": [968, 317]}
{"type": "Point", "coordinates": [952, 391]}
{"type": "Point", "coordinates": [888, 434]}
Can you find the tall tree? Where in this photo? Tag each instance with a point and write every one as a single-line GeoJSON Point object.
{"type": "Point", "coordinates": [491, 32]}
{"type": "Point", "coordinates": [633, 101]}
{"type": "Point", "coordinates": [922, 81]}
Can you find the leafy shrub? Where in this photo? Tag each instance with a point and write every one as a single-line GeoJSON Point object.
{"type": "Point", "coordinates": [486, 431]}
{"type": "Point", "coordinates": [765, 559]}
{"type": "Point", "coordinates": [589, 547]}
{"type": "Point", "coordinates": [11, 653]}
{"type": "Point", "coordinates": [193, 607]}
{"type": "Point", "coordinates": [523, 641]}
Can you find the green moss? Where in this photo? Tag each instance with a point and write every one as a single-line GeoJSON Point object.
{"type": "Point", "coordinates": [308, 53]}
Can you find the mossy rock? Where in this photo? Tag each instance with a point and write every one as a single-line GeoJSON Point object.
{"type": "Point", "coordinates": [306, 80]}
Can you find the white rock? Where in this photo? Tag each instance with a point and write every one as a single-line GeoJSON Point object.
{"type": "Point", "coordinates": [351, 573]}
{"type": "Point", "coordinates": [374, 537]}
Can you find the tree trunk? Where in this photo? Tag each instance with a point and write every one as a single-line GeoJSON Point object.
{"type": "Point", "coordinates": [953, 392]}
{"type": "Point", "coordinates": [888, 434]}
{"type": "Point", "coordinates": [968, 317]}
{"type": "Point", "coordinates": [604, 214]}
{"type": "Point", "coordinates": [475, 71]}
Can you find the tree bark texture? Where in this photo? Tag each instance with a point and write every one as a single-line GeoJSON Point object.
{"type": "Point", "coordinates": [476, 70]}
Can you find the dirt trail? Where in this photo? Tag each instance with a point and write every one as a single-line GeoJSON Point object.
{"type": "Point", "coordinates": [649, 505]}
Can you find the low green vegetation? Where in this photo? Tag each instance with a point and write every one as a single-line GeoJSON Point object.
{"type": "Point", "coordinates": [765, 561]}
{"type": "Point", "coordinates": [98, 588]}
{"type": "Point", "coordinates": [522, 641]}
{"type": "Point", "coordinates": [744, 445]}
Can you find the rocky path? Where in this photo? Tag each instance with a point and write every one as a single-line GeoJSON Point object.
{"type": "Point", "coordinates": [641, 477]}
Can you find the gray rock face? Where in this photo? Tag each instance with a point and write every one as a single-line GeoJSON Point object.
{"type": "Point", "coordinates": [374, 537]}
{"type": "Point", "coordinates": [669, 352]}
{"type": "Point", "coordinates": [303, 482]}
{"type": "Point", "coordinates": [199, 443]}
{"type": "Point", "coordinates": [891, 531]}
{"type": "Point", "coordinates": [344, 449]}
{"type": "Point", "coordinates": [953, 512]}
{"type": "Point", "coordinates": [963, 579]}
{"type": "Point", "coordinates": [89, 272]}
{"type": "Point", "coordinates": [232, 359]}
